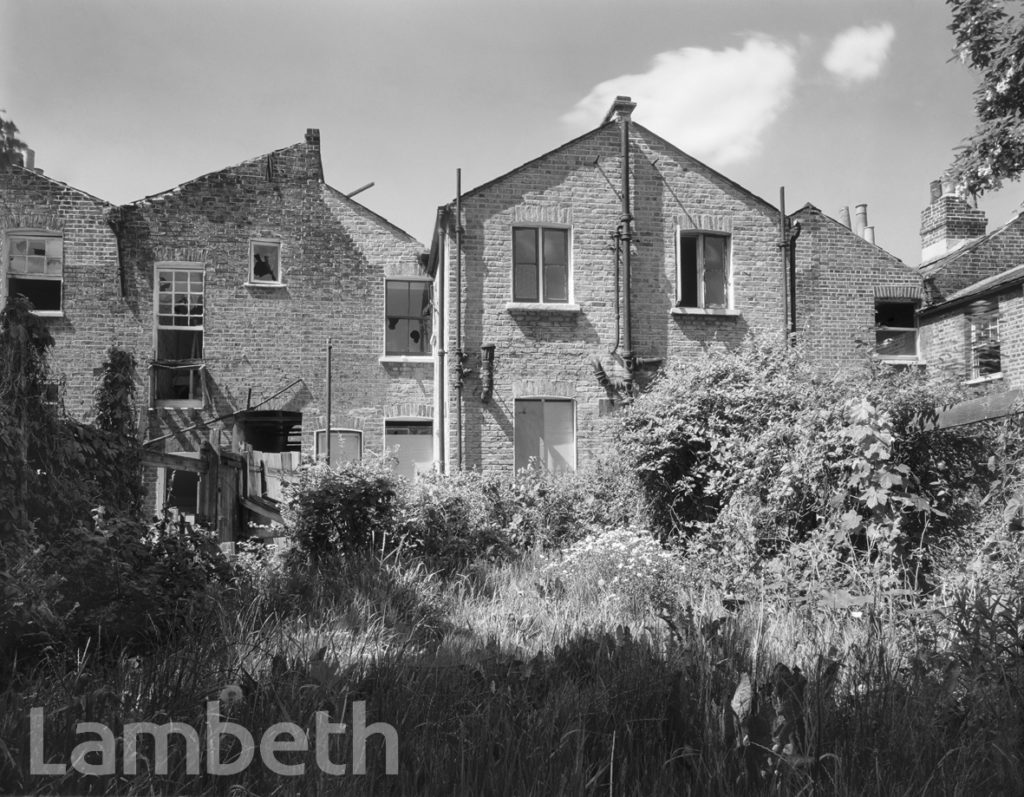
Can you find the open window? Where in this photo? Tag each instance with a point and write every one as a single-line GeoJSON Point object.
{"type": "Point", "coordinates": [346, 446]}
{"type": "Point", "coordinates": [896, 331]}
{"type": "Point", "coordinates": [179, 310]}
{"type": "Point", "coordinates": [704, 270]}
{"type": "Point", "coordinates": [265, 263]}
{"type": "Point", "coordinates": [410, 446]}
{"type": "Point", "coordinates": [35, 269]}
{"type": "Point", "coordinates": [545, 434]}
{"type": "Point", "coordinates": [407, 318]}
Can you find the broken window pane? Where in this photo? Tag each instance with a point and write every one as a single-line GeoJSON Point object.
{"type": "Point", "coordinates": [266, 262]}
{"type": "Point", "coordinates": [407, 320]}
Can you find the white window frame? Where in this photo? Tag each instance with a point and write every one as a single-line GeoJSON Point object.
{"type": "Point", "coordinates": [8, 253]}
{"type": "Point", "coordinates": [700, 235]}
{"type": "Point", "coordinates": [974, 322]}
{"type": "Point", "coordinates": [544, 400]}
{"type": "Point", "coordinates": [541, 298]}
{"type": "Point", "coordinates": [428, 354]}
{"type": "Point", "coordinates": [191, 267]}
{"type": "Point", "coordinates": [253, 280]}
{"type": "Point", "coordinates": [320, 441]}
{"type": "Point", "coordinates": [411, 420]}
{"type": "Point", "coordinates": [898, 358]}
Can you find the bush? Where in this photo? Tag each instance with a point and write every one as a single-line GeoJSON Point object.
{"type": "Point", "coordinates": [750, 454]}
{"type": "Point", "coordinates": [619, 564]}
{"type": "Point", "coordinates": [331, 513]}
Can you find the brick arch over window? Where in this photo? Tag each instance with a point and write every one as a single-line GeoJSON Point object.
{"type": "Point", "coordinates": [539, 387]}
{"type": "Point", "coordinates": [542, 214]}
{"type": "Point", "coordinates": [704, 222]}
{"type": "Point", "coordinates": [179, 254]}
{"type": "Point", "coordinates": [32, 221]}
{"type": "Point", "coordinates": [409, 410]}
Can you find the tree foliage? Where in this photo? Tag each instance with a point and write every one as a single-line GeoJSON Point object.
{"type": "Point", "coordinates": [12, 148]}
{"type": "Point", "coordinates": [989, 37]}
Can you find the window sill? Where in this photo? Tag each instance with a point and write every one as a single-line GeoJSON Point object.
{"type": "Point", "coordinates": [900, 360]}
{"type": "Point", "coordinates": [726, 312]}
{"type": "Point", "coordinates": [178, 404]}
{"type": "Point", "coordinates": [406, 358]}
{"type": "Point", "coordinates": [542, 307]}
{"type": "Point", "coordinates": [48, 313]}
{"type": "Point", "coordinates": [983, 379]}
{"type": "Point", "coordinates": [265, 284]}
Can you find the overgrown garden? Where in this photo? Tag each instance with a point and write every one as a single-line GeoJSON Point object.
{"type": "Point", "coordinates": [783, 582]}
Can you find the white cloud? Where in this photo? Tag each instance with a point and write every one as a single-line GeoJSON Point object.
{"type": "Point", "coordinates": [715, 104]}
{"type": "Point", "coordinates": [859, 53]}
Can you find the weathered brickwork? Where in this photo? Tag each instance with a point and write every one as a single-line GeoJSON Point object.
{"type": "Point", "coordinates": [549, 350]}
{"type": "Point", "coordinates": [989, 255]}
{"type": "Point", "coordinates": [945, 338]}
{"type": "Point", "coordinates": [335, 256]}
{"type": "Point", "coordinates": [95, 314]}
{"type": "Point", "coordinates": [839, 277]}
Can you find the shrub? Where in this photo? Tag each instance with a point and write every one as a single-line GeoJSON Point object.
{"type": "Point", "coordinates": [750, 454]}
{"type": "Point", "coordinates": [620, 564]}
{"type": "Point", "coordinates": [334, 512]}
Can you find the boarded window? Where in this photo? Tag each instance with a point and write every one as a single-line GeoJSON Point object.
{"type": "Point", "coordinates": [545, 434]}
{"type": "Point", "coordinates": [410, 446]}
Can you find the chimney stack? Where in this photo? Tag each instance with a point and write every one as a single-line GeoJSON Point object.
{"type": "Point", "coordinates": [948, 221]}
{"type": "Point", "coordinates": [621, 108]}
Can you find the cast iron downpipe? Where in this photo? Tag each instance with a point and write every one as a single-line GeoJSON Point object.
{"type": "Point", "coordinates": [460, 357]}
{"type": "Point", "coordinates": [626, 222]}
{"type": "Point", "coordinates": [787, 245]}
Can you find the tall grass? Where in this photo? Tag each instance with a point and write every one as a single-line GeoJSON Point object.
{"type": "Point", "coordinates": [526, 679]}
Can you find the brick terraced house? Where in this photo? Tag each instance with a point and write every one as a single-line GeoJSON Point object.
{"type": "Point", "coordinates": [972, 325]}
{"type": "Point", "coordinates": [578, 274]}
{"type": "Point", "coordinates": [584, 270]}
{"type": "Point", "coordinates": [227, 288]}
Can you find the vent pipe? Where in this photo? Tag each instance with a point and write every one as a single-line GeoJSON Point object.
{"type": "Point", "coordinates": [861, 212]}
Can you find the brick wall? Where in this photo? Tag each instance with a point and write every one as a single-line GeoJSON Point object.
{"type": "Point", "coordinates": [945, 340]}
{"type": "Point", "coordinates": [335, 255]}
{"type": "Point", "coordinates": [1000, 250]}
{"type": "Point", "coordinates": [838, 275]}
{"type": "Point", "coordinates": [549, 352]}
{"type": "Point", "coordinates": [95, 315]}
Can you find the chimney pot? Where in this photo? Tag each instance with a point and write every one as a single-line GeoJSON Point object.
{"type": "Point", "coordinates": [844, 216]}
{"type": "Point", "coordinates": [948, 187]}
{"type": "Point", "coordinates": [313, 136]}
{"type": "Point", "coordinates": [30, 159]}
{"type": "Point", "coordinates": [861, 213]}
{"type": "Point", "coordinates": [869, 234]}
{"type": "Point", "coordinates": [935, 189]}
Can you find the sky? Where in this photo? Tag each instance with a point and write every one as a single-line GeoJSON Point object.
{"type": "Point", "coordinates": [839, 102]}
